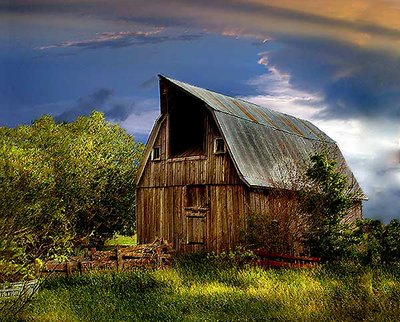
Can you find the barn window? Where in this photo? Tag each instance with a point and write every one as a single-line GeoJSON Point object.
{"type": "Point", "coordinates": [219, 146]}
{"type": "Point", "coordinates": [156, 153]}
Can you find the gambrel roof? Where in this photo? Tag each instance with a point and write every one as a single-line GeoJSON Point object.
{"type": "Point", "coordinates": [269, 148]}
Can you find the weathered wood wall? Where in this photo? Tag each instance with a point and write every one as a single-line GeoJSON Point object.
{"type": "Point", "coordinates": [200, 169]}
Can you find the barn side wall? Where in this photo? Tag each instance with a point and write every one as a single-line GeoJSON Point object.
{"type": "Point", "coordinates": [232, 208]}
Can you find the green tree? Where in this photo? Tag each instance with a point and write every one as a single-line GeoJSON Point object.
{"type": "Point", "coordinates": [363, 243]}
{"type": "Point", "coordinates": [326, 199]}
{"type": "Point", "coordinates": [391, 242]}
{"type": "Point", "coordinates": [63, 184]}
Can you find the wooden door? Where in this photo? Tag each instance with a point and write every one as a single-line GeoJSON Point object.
{"type": "Point", "coordinates": [197, 210]}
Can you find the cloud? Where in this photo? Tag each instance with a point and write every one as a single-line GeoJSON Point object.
{"type": "Point", "coordinates": [101, 100]}
{"type": "Point", "coordinates": [373, 155]}
{"type": "Point", "coordinates": [109, 39]}
{"type": "Point", "coordinates": [119, 112]}
{"type": "Point", "coordinates": [351, 82]}
{"type": "Point", "coordinates": [140, 122]}
{"type": "Point", "coordinates": [122, 39]}
{"type": "Point", "coordinates": [356, 22]}
{"type": "Point", "coordinates": [276, 92]}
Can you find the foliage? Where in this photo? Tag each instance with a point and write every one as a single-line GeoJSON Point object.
{"type": "Point", "coordinates": [391, 242]}
{"type": "Point", "coordinates": [370, 242]}
{"type": "Point", "coordinates": [326, 199]}
{"type": "Point", "coordinates": [213, 293]}
{"type": "Point", "coordinates": [63, 184]}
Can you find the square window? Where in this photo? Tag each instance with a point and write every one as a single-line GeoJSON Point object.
{"type": "Point", "coordinates": [156, 153]}
{"type": "Point", "coordinates": [219, 146]}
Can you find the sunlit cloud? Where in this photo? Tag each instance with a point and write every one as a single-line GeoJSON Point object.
{"type": "Point", "coordinates": [276, 92]}
{"type": "Point", "coordinates": [122, 39]}
{"type": "Point", "coordinates": [108, 38]}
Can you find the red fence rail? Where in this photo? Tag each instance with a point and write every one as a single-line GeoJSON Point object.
{"type": "Point", "coordinates": [276, 260]}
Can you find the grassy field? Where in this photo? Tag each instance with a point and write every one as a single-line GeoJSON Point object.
{"type": "Point", "coordinates": [197, 290]}
{"type": "Point", "coordinates": [122, 240]}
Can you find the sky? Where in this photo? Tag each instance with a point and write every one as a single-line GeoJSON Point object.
{"type": "Point", "coordinates": [333, 62]}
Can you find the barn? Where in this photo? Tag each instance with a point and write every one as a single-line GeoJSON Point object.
{"type": "Point", "coordinates": [215, 164]}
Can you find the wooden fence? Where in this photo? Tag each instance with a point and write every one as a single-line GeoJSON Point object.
{"type": "Point", "coordinates": [153, 256]}
{"type": "Point", "coordinates": [276, 260]}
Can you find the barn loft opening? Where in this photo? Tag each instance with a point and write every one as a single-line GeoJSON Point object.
{"type": "Point", "coordinates": [186, 125]}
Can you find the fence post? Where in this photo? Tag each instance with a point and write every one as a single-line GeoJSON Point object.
{"type": "Point", "coordinates": [68, 269]}
{"type": "Point", "coordinates": [118, 258]}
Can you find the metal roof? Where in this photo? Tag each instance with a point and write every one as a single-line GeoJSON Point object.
{"type": "Point", "coordinates": [254, 113]}
{"type": "Point", "coordinates": [268, 148]}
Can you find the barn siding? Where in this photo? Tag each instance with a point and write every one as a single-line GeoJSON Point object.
{"type": "Point", "coordinates": [207, 169]}
{"type": "Point", "coordinates": [158, 218]}
{"type": "Point", "coordinates": [163, 215]}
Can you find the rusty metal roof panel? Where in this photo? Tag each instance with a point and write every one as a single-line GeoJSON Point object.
{"type": "Point", "coordinates": [266, 157]}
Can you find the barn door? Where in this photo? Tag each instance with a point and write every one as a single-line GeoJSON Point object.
{"type": "Point", "coordinates": [196, 211]}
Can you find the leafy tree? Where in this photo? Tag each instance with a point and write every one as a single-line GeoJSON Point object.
{"type": "Point", "coordinates": [363, 242]}
{"type": "Point", "coordinates": [63, 184]}
{"type": "Point", "coordinates": [326, 199]}
{"type": "Point", "coordinates": [391, 242]}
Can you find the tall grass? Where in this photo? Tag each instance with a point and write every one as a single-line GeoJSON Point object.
{"type": "Point", "coordinates": [198, 289]}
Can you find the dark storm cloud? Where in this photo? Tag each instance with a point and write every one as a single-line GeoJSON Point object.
{"type": "Point", "coordinates": [101, 100]}
{"type": "Point", "coordinates": [28, 6]}
{"type": "Point", "coordinates": [354, 82]}
{"type": "Point", "coordinates": [85, 105]}
{"type": "Point", "coordinates": [182, 12]}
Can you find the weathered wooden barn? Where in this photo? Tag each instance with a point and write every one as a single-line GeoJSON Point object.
{"type": "Point", "coordinates": [213, 161]}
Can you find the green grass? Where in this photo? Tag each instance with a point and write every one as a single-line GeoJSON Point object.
{"type": "Point", "coordinates": [122, 240]}
{"type": "Point", "coordinates": [196, 290]}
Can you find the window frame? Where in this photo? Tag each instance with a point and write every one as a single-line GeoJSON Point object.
{"type": "Point", "coordinates": [158, 158]}
{"type": "Point", "coordinates": [216, 140]}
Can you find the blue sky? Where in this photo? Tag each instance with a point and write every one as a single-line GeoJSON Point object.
{"type": "Point", "coordinates": [336, 63]}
